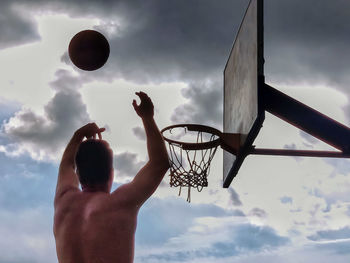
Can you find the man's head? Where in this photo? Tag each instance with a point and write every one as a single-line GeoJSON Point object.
{"type": "Point", "coordinates": [94, 161]}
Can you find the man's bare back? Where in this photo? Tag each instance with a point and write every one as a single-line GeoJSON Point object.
{"type": "Point", "coordinates": [93, 225]}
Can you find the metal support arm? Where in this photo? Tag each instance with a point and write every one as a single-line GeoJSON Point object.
{"type": "Point", "coordinates": [302, 153]}
{"type": "Point", "coordinates": [307, 119]}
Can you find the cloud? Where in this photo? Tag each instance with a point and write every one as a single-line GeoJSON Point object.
{"type": "Point", "coordinates": [26, 236]}
{"type": "Point", "coordinates": [174, 45]}
{"type": "Point", "coordinates": [341, 247]}
{"type": "Point", "coordinates": [258, 212]}
{"type": "Point", "coordinates": [308, 45]}
{"type": "Point", "coordinates": [44, 135]}
{"type": "Point", "coordinates": [204, 104]}
{"type": "Point", "coordinates": [341, 166]}
{"type": "Point", "coordinates": [152, 41]}
{"type": "Point", "coordinates": [291, 146]}
{"type": "Point", "coordinates": [217, 238]}
{"type": "Point", "coordinates": [25, 183]}
{"type": "Point", "coordinates": [336, 193]}
{"type": "Point", "coordinates": [16, 28]}
{"type": "Point", "coordinates": [323, 253]}
{"type": "Point", "coordinates": [286, 200]}
{"type": "Point", "coordinates": [127, 165]}
{"type": "Point", "coordinates": [305, 44]}
{"type": "Point", "coordinates": [249, 237]}
{"type": "Point", "coordinates": [311, 141]}
{"type": "Point", "coordinates": [157, 41]}
{"type": "Point", "coordinates": [234, 197]}
{"type": "Point", "coordinates": [332, 234]}
{"type": "Point", "coordinates": [139, 133]}
{"type": "Point", "coordinates": [8, 108]}
{"type": "Point", "coordinates": [162, 219]}
{"type": "Point", "coordinates": [301, 45]}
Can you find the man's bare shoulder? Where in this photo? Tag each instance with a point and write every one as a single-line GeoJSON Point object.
{"type": "Point", "coordinates": [79, 199]}
{"type": "Point", "coordinates": [76, 201]}
{"type": "Point", "coordinates": [125, 196]}
{"type": "Point", "coordinates": [67, 199]}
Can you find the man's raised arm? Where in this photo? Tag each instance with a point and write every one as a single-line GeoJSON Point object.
{"type": "Point", "coordinates": [155, 142]}
{"type": "Point", "coordinates": [150, 176]}
{"type": "Point", "coordinates": [67, 178]}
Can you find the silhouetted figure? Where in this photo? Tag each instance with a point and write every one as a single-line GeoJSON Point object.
{"type": "Point", "coordinates": [93, 225]}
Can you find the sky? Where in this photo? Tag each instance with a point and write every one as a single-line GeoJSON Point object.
{"type": "Point", "coordinates": [277, 209]}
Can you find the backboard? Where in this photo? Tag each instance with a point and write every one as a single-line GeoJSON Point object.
{"type": "Point", "coordinates": [243, 84]}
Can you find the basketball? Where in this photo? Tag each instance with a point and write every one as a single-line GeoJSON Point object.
{"type": "Point", "coordinates": [88, 50]}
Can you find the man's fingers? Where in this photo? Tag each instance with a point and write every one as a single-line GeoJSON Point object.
{"type": "Point", "coordinates": [142, 95]}
{"type": "Point", "coordinates": [99, 133]}
{"type": "Point", "coordinates": [90, 130]}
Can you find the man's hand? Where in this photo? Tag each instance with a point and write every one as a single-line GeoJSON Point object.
{"type": "Point", "coordinates": [89, 131]}
{"type": "Point", "coordinates": [146, 108]}
{"type": "Point", "coordinates": [150, 176]}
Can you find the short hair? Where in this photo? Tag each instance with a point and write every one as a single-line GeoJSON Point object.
{"type": "Point", "coordinates": [94, 161]}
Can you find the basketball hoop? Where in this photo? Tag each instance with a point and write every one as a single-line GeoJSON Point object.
{"type": "Point", "coordinates": [190, 158]}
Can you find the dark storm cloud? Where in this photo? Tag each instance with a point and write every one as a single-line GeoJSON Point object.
{"type": "Point", "coordinates": [63, 114]}
{"type": "Point", "coordinates": [172, 40]}
{"type": "Point", "coordinates": [307, 41]}
{"type": "Point", "coordinates": [190, 41]}
{"type": "Point", "coordinates": [164, 41]}
{"type": "Point", "coordinates": [159, 40]}
{"type": "Point", "coordinates": [15, 27]}
{"type": "Point", "coordinates": [204, 104]}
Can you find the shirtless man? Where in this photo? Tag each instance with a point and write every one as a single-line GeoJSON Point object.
{"type": "Point", "coordinates": [93, 225]}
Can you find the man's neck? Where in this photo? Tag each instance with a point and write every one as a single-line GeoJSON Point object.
{"type": "Point", "coordinates": [94, 189]}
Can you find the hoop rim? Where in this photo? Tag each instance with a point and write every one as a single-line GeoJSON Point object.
{"type": "Point", "coordinates": [194, 127]}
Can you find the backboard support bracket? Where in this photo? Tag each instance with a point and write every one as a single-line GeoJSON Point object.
{"type": "Point", "coordinates": [230, 142]}
{"type": "Point", "coordinates": [303, 117]}
{"type": "Point", "coordinates": [307, 119]}
{"type": "Point", "coordinates": [300, 153]}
